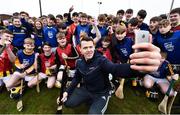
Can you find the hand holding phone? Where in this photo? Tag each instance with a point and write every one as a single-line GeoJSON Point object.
{"type": "Point", "coordinates": [147, 57]}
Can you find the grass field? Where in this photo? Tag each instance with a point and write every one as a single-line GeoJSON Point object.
{"type": "Point", "coordinates": [45, 103]}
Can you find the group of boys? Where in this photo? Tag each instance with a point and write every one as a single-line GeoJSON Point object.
{"type": "Point", "coordinates": [113, 37]}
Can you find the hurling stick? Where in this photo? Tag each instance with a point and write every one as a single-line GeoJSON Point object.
{"type": "Point", "coordinates": [19, 105]}
{"type": "Point", "coordinates": [163, 105]}
{"type": "Point", "coordinates": [37, 85]}
{"type": "Point", "coordinates": [63, 86]}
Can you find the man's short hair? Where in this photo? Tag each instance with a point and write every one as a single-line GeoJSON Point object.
{"type": "Point", "coordinates": [87, 39]}
{"type": "Point", "coordinates": [62, 25]}
{"type": "Point", "coordinates": [175, 10]}
{"type": "Point", "coordinates": [120, 12]}
{"type": "Point", "coordinates": [155, 18]}
{"type": "Point", "coordinates": [51, 17]}
{"type": "Point", "coordinates": [5, 31]}
{"type": "Point", "coordinates": [65, 15]}
{"type": "Point", "coordinates": [106, 39]}
{"type": "Point", "coordinates": [60, 35]}
{"type": "Point", "coordinates": [84, 15]}
{"type": "Point", "coordinates": [164, 23]}
{"type": "Point", "coordinates": [15, 14]}
{"type": "Point", "coordinates": [120, 29]}
{"type": "Point", "coordinates": [115, 20]}
{"type": "Point", "coordinates": [129, 11]}
{"type": "Point", "coordinates": [29, 41]}
{"type": "Point", "coordinates": [46, 44]}
{"type": "Point", "coordinates": [59, 16]}
{"type": "Point", "coordinates": [133, 21]}
{"type": "Point", "coordinates": [89, 17]}
{"type": "Point", "coordinates": [142, 13]}
{"type": "Point", "coordinates": [75, 14]}
{"type": "Point", "coordinates": [15, 17]}
{"type": "Point", "coordinates": [163, 16]}
{"type": "Point", "coordinates": [23, 12]}
{"type": "Point", "coordinates": [101, 17]}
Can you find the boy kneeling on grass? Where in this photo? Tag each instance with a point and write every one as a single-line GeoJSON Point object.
{"type": "Point", "coordinates": [46, 66]}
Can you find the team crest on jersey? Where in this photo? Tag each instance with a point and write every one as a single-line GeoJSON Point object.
{"type": "Point", "coordinates": [124, 51]}
{"type": "Point", "coordinates": [26, 62]}
{"type": "Point", "coordinates": [169, 46]}
{"type": "Point", "coordinates": [50, 34]}
{"type": "Point", "coordinates": [22, 31]}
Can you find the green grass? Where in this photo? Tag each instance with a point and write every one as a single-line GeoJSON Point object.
{"type": "Point", "coordinates": [45, 103]}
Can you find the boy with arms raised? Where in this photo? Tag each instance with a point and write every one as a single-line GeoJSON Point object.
{"type": "Point", "coordinates": [25, 64]}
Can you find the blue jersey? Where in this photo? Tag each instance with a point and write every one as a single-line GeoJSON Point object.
{"type": "Point", "coordinates": [38, 38]}
{"type": "Point", "coordinates": [162, 71]}
{"type": "Point", "coordinates": [20, 33]}
{"type": "Point", "coordinates": [50, 35]}
{"type": "Point", "coordinates": [81, 28]}
{"type": "Point", "coordinates": [144, 26]}
{"type": "Point", "coordinates": [154, 35]}
{"type": "Point", "coordinates": [124, 49]}
{"type": "Point", "coordinates": [171, 45]}
{"type": "Point", "coordinates": [104, 32]}
{"type": "Point", "coordinates": [27, 60]}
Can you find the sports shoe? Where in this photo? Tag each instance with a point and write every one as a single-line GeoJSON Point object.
{"type": "Point", "coordinates": [15, 92]}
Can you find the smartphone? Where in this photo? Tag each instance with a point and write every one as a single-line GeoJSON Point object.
{"type": "Point", "coordinates": [141, 36]}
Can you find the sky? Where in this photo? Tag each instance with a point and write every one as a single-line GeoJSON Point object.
{"type": "Point", "coordinates": [153, 7]}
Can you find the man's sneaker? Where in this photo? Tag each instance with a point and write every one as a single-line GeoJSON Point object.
{"type": "Point", "coordinates": [57, 84]}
